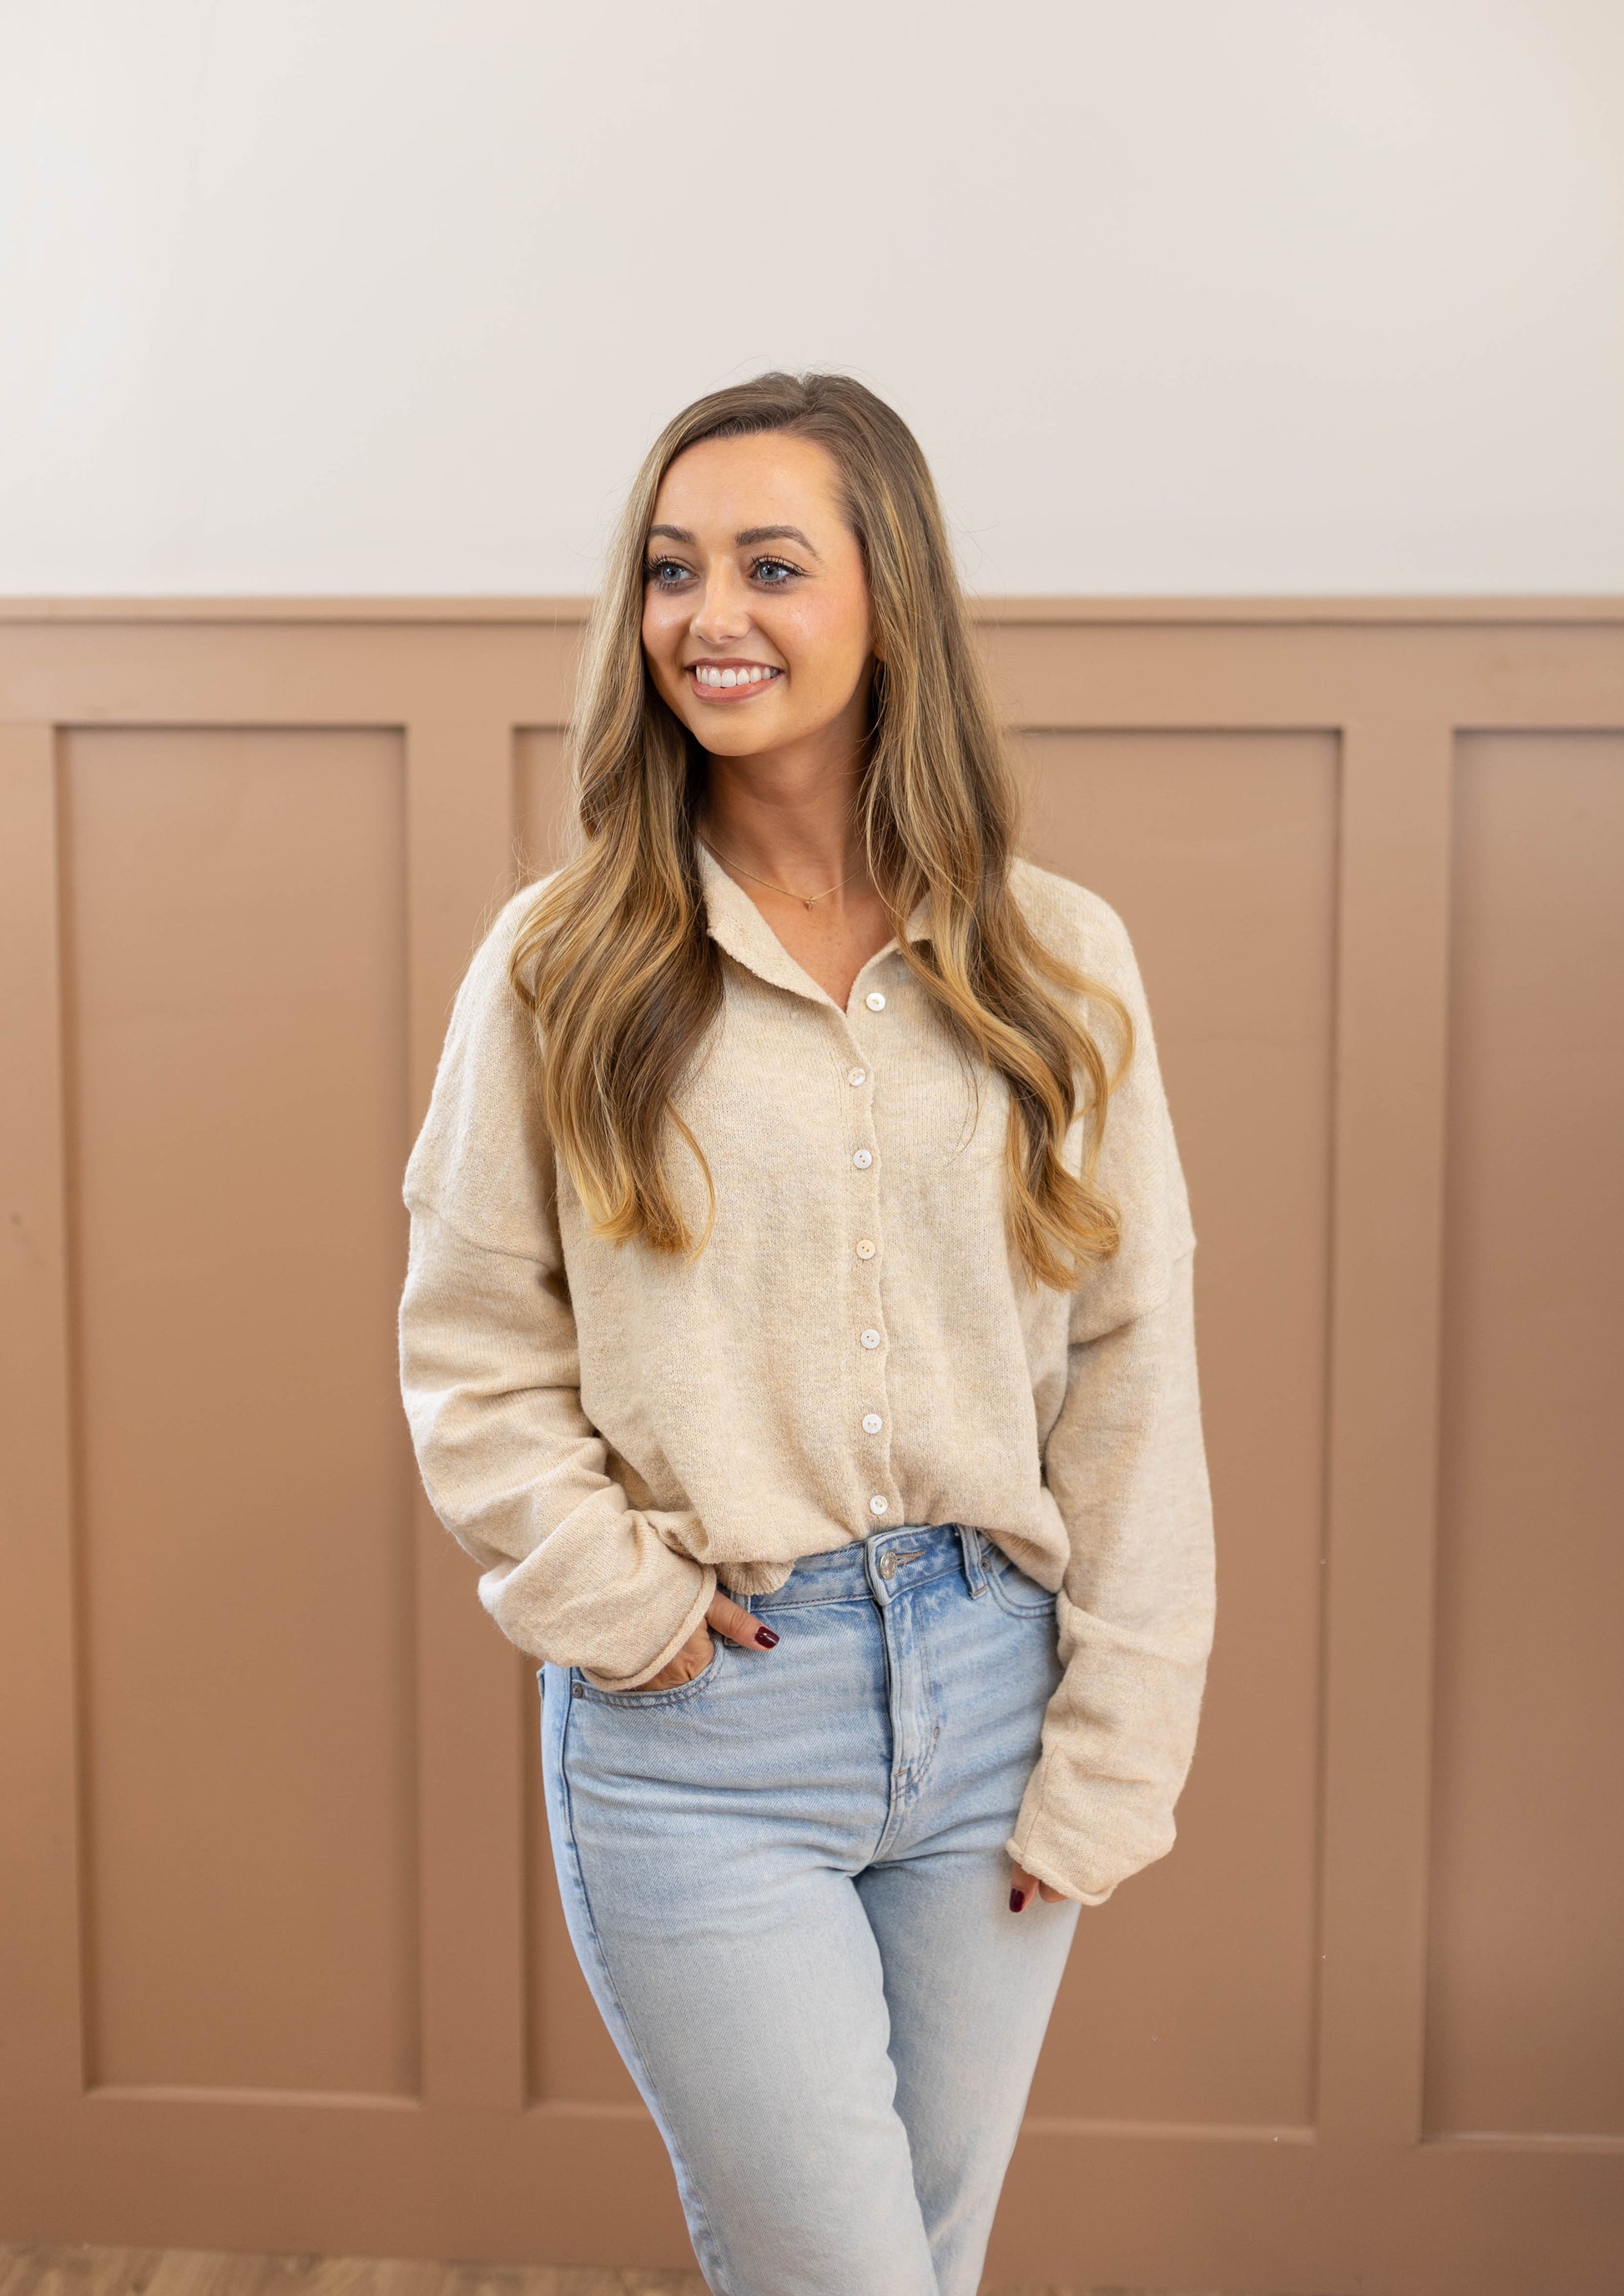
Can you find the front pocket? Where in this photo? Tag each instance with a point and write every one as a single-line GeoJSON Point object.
{"type": "Point", "coordinates": [1013, 1591]}
{"type": "Point", "coordinates": [677, 1695]}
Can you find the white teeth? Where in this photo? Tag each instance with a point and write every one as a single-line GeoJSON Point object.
{"type": "Point", "coordinates": [750, 675]}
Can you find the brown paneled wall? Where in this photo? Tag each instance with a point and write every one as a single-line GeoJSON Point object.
{"type": "Point", "coordinates": [281, 1957]}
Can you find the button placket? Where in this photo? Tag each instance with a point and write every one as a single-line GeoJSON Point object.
{"type": "Point", "coordinates": [874, 1455]}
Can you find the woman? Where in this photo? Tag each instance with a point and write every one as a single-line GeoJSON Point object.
{"type": "Point", "coordinates": [799, 1332]}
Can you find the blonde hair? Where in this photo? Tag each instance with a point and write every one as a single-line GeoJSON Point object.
{"type": "Point", "coordinates": [615, 962]}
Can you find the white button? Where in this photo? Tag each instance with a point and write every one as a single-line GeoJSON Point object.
{"type": "Point", "coordinates": [863, 1159]}
{"type": "Point", "coordinates": [877, 1505]}
{"type": "Point", "coordinates": [875, 1000]}
{"type": "Point", "coordinates": [872, 1422]}
{"type": "Point", "coordinates": [870, 1339]}
{"type": "Point", "coordinates": [866, 1247]}
{"type": "Point", "coordinates": [857, 1076]}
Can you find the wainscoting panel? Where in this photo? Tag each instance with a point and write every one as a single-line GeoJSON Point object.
{"type": "Point", "coordinates": [1526, 2025]}
{"type": "Point", "coordinates": [233, 962]}
{"type": "Point", "coordinates": [281, 1958]}
{"type": "Point", "coordinates": [1191, 2001]}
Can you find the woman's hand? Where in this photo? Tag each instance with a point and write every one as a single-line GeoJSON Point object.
{"type": "Point", "coordinates": [1024, 1887]}
{"type": "Point", "coordinates": [694, 1656]}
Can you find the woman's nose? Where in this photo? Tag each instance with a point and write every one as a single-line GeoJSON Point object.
{"type": "Point", "coordinates": [723, 612]}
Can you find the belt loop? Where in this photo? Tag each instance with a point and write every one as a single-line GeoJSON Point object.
{"type": "Point", "coordinates": [970, 1546]}
{"type": "Point", "coordinates": [879, 1587]}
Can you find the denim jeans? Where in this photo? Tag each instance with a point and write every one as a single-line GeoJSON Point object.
{"type": "Point", "coordinates": [787, 1886]}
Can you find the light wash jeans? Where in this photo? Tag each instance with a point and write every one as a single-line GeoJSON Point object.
{"type": "Point", "coordinates": [787, 1885]}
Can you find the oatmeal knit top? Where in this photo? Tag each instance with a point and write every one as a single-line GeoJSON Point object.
{"type": "Point", "coordinates": [610, 1432]}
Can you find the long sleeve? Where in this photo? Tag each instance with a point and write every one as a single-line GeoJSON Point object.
{"type": "Point", "coordinates": [1135, 1609]}
{"type": "Point", "coordinates": [489, 1368]}
{"type": "Point", "coordinates": [1126, 1462]}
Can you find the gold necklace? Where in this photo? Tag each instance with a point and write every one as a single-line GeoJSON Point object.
{"type": "Point", "coordinates": [806, 898]}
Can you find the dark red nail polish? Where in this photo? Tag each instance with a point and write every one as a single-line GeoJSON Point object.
{"type": "Point", "coordinates": [767, 1639]}
{"type": "Point", "coordinates": [1017, 1898]}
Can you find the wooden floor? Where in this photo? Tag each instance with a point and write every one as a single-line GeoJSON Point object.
{"type": "Point", "coordinates": [28, 2270]}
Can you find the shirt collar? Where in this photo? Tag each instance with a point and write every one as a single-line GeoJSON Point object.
{"type": "Point", "coordinates": [737, 925]}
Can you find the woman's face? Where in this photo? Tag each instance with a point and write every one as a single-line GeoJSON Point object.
{"type": "Point", "coordinates": [756, 616]}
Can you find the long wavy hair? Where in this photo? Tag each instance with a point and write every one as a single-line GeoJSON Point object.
{"type": "Point", "coordinates": [614, 961]}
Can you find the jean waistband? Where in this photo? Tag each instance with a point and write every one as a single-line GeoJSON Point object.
{"type": "Point", "coordinates": [884, 1564]}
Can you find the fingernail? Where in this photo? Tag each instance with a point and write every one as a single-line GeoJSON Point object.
{"type": "Point", "coordinates": [1017, 1898]}
{"type": "Point", "coordinates": [767, 1639]}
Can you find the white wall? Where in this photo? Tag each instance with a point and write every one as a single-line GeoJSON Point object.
{"type": "Point", "coordinates": [1180, 295]}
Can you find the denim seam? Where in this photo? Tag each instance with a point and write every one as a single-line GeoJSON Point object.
{"type": "Point", "coordinates": [1014, 1609]}
{"type": "Point", "coordinates": [681, 1694]}
{"type": "Point", "coordinates": [892, 1824]}
{"type": "Point", "coordinates": [920, 1770]}
{"type": "Point", "coordinates": [1020, 1610]}
{"type": "Point", "coordinates": [849, 1602]}
{"type": "Point", "coordinates": [717, 2261]}
{"type": "Point", "coordinates": [907, 1783]}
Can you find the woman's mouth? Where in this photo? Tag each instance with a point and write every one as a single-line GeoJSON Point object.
{"type": "Point", "coordinates": [731, 681]}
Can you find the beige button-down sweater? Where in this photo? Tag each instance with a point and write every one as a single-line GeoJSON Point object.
{"type": "Point", "coordinates": [609, 1432]}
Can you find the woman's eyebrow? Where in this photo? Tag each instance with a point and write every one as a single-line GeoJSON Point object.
{"type": "Point", "coordinates": [742, 539]}
{"type": "Point", "coordinates": [773, 534]}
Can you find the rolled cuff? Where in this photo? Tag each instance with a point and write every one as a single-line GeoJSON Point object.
{"type": "Point", "coordinates": [1033, 1853]}
{"type": "Point", "coordinates": [697, 1606]}
{"type": "Point", "coordinates": [1086, 1835]}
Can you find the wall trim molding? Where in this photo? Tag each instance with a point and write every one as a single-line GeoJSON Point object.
{"type": "Point", "coordinates": [1606, 607]}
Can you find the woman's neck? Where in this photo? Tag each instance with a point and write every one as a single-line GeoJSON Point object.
{"type": "Point", "coordinates": [796, 829]}
{"type": "Point", "coordinates": [789, 839]}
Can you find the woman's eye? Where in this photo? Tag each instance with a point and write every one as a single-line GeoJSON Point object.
{"type": "Point", "coordinates": [774, 572]}
{"type": "Point", "coordinates": [665, 573]}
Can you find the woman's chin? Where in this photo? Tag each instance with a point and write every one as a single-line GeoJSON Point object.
{"type": "Point", "coordinates": [745, 736]}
